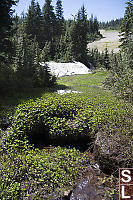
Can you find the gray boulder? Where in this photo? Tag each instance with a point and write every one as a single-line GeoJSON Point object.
{"type": "Point", "coordinates": [110, 152]}
{"type": "Point", "coordinates": [85, 191]}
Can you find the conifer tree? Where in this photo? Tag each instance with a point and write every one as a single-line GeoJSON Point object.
{"type": "Point", "coordinates": [91, 27]}
{"type": "Point", "coordinates": [59, 17]}
{"type": "Point", "coordinates": [121, 76]}
{"type": "Point", "coordinates": [29, 72]}
{"type": "Point", "coordinates": [6, 47]}
{"type": "Point", "coordinates": [16, 23]}
{"type": "Point", "coordinates": [33, 22]}
{"type": "Point", "coordinates": [79, 36]}
{"type": "Point", "coordinates": [5, 28]}
{"type": "Point", "coordinates": [46, 52]}
{"type": "Point", "coordinates": [24, 60]}
{"type": "Point", "coordinates": [66, 47]}
{"type": "Point", "coordinates": [39, 28]}
{"type": "Point", "coordinates": [127, 33]}
{"type": "Point", "coordinates": [127, 25]}
{"type": "Point", "coordinates": [49, 21]}
{"type": "Point", "coordinates": [96, 25]}
{"type": "Point", "coordinates": [30, 19]}
{"type": "Point", "coordinates": [106, 59]}
{"type": "Point", "coordinates": [59, 10]}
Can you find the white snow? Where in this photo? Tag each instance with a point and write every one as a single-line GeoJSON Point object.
{"type": "Point", "coordinates": [67, 91]}
{"type": "Point", "coordinates": [67, 69]}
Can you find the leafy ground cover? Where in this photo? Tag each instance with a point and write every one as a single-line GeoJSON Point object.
{"type": "Point", "coordinates": [29, 172]}
{"type": "Point", "coordinates": [35, 174]}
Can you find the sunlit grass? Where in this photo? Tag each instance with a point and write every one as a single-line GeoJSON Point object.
{"type": "Point", "coordinates": [94, 79]}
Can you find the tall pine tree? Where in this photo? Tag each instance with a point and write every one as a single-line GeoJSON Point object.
{"type": "Point", "coordinates": [39, 26]}
{"type": "Point", "coordinates": [59, 17]}
{"type": "Point", "coordinates": [30, 19]}
{"type": "Point", "coordinates": [5, 27]}
{"type": "Point", "coordinates": [49, 21]}
{"type": "Point", "coordinates": [127, 33]}
{"type": "Point", "coordinates": [59, 10]}
{"type": "Point", "coordinates": [6, 47]}
{"type": "Point", "coordinates": [96, 25]}
{"type": "Point", "coordinates": [34, 22]}
{"type": "Point", "coordinates": [79, 36]}
{"type": "Point", "coordinates": [127, 25]}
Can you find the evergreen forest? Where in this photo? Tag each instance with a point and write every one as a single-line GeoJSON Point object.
{"type": "Point", "coordinates": [40, 35]}
{"type": "Point", "coordinates": [112, 25]}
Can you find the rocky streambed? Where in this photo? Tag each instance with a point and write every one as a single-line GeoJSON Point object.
{"type": "Point", "coordinates": [95, 185]}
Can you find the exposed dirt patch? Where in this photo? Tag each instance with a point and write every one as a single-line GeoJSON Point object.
{"type": "Point", "coordinates": [110, 40]}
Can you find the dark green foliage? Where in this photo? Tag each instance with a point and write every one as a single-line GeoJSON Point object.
{"type": "Point", "coordinates": [98, 59]}
{"type": "Point", "coordinates": [29, 72]}
{"type": "Point", "coordinates": [6, 78]}
{"type": "Point", "coordinates": [111, 25]}
{"type": "Point", "coordinates": [46, 52]}
{"type": "Point", "coordinates": [21, 70]}
{"type": "Point", "coordinates": [94, 57]}
{"type": "Point", "coordinates": [65, 53]}
{"type": "Point", "coordinates": [60, 26]}
{"type": "Point", "coordinates": [6, 47]}
{"type": "Point", "coordinates": [59, 10]}
{"type": "Point", "coordinates": [106, 60]}
{"type": "Point", "coordinates": [49, 21]}
{"type": "Point", "coordinates": [93, 29]}
{"type": "Point", "coordinates": [24, 61]}
{"type": "Point", "coordinates": [31, 19]}
{"type": "Point", "coordinates": [34, 23]}
{"type": "Point", "coordinates": [121, 77]}
{"type": "Point", "coordinates": [90, 23]}
{"type": "Point", "coordinates": [96, 25]}
{"type": "Point", "coordinates": [62, 40]}
{"type": "Point", "coordinates": [127, 25]}
{"type": "Point", "coordinates": [5, 28]}
{"type": "Point", "coordinates": [79, 36]}
{"type": "Point", "coordinates": [59, 18]}
{"type": "Point", "coordinates": [93, 25]}
{"type": "Point", "coordinates": [58, 120]}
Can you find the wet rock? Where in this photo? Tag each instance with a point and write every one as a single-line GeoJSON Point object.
{"type": "Point", "coordinates": [110, 153]}
{"type": "Point", "coordinates": [85, 191]}
{"type": "Point", "coordinates": [67, 195]}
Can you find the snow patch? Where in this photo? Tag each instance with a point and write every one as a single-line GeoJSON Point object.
{"type": "Point", "coordinates": [67, 92]}
{"type": "Point", "coordinates": [67, 69]}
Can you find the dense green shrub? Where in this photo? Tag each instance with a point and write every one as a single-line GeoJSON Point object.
{"type": "Point", "coordinates": [58, 119]}
{"type": "Point", "coordinates": [64, 119]}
